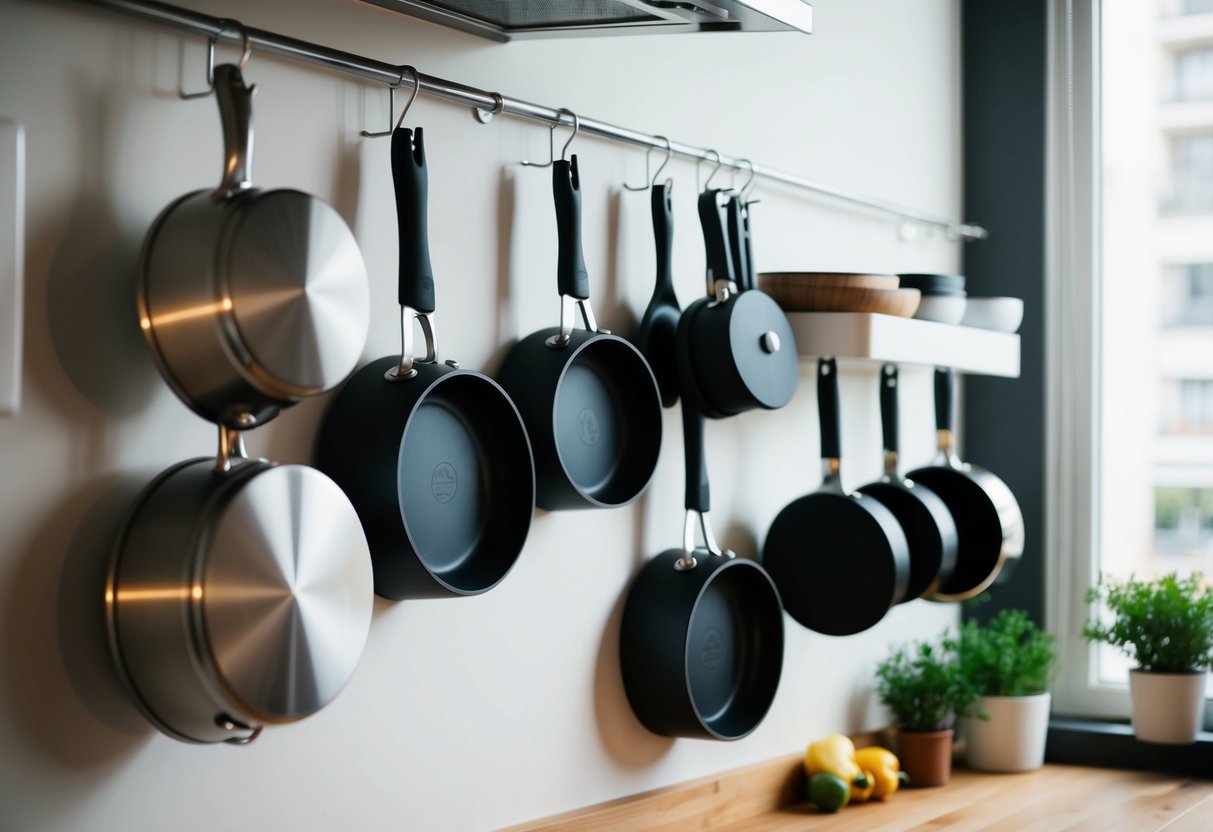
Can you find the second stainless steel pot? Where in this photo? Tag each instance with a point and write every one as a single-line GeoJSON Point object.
{"type": "Point", "coordinates": [250, 300]}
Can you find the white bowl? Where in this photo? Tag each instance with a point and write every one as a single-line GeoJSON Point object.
{"type": "Point", "coordinates": [1001, 314]}
{"type": "Point", "coordinates": [946, 309]}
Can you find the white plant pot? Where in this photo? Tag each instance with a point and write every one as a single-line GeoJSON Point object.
{"type": "Point", "coordinates": [1167, 707]}
{"type": "Point", "coordinates": [1013, 738]}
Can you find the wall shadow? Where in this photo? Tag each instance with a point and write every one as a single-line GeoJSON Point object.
{"type": "Point", "coordinates": [56, 663]}
{"type": "Point", "coordinates": [628, 743]}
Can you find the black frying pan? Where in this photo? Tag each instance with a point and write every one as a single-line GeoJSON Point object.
{"type": "Point", "coordinates": [659, 327]}
{"type": "Point", "coordinates": [435, 459]}
{"type": "Point", "coordinates": [701, 640]}
{"type": "Point", "coordinates": [588, 398]}
{"type": "Point", "coordinates": [840, 560]}
{"type": "Point", "coordinates": [924, 517]}
{"type": "Point", "coordinates": [989, 523]}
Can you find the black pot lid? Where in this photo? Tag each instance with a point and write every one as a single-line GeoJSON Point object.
{"type": "Point", "coordinates": [764, 349]}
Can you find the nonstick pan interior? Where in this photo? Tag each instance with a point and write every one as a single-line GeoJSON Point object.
{"type": "Point", "coordinates": [465, 482]}
{"type": "Point", "coordinates": [607, 429]}
{"type": "Point", "coordinates": [734, 651]}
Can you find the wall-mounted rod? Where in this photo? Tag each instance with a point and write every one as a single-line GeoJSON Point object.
{"type": "Point", "coordinates": [386, 73]}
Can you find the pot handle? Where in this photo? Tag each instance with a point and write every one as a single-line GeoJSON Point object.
{"type": "Point", "coordinates": [663, 234]}
{"type": "Point", "coordinates": [751, 276]}
{"type": "Point", "coordinates": [827, 413]}
{"type": "Point", "coordinates": [945, 395]}
{"type": "Point", "coordinates": [231, 450]}
{"type": "Point", "coordinates": [236, 117]}
{"type": "Point", "coordinates": [720, 264]}
{"type": "Point", "coordinates": [572, 280]}
{"type": "Point", "coordinates": [698, 492]}
{"type": "Point", "coordinates": [415, 279]}
{"type": "Point", "coordinates": [889, 418]}
{"type": "Point", "coordinates": [735, 213]}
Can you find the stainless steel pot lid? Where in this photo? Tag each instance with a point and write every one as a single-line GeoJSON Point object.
{"type": "Point", "coordinates": [298, 292]}
{"type": "Point", "coordinates": [285, 593]}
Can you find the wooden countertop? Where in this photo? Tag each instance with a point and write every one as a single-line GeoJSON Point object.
{"type": "Point", "coordinates": [1055, 798]}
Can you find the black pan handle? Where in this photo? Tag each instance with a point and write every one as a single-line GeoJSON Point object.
{"type": "Point", "coordinates": [720, 263]}
{"type": "Point", "coordinates": [827, 407]}
{"type": "Point", "coordinates": [411, 179]}
{"type": "Point", "coordinates": [734, 213]}
{"type": "Point", "coordinates": [751, 276]}
{"type": "Point", "coordinates": [888, 407]}
{"type": "Point", "coordinates": [944, 393]}
{"type": "Point", "coordinates": [663, 234]}
{"type": "Point", "coordinates": [698, 493]}
{"type": "Point", "coordinates": [571, 276]}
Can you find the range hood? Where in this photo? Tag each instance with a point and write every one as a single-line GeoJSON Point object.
{"type": "Point", "coordinates": [504, 21]}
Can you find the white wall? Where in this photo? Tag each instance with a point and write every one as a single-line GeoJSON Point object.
{"type": "Point", "coordinates": [469, 713]}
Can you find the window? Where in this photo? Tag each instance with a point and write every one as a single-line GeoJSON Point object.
{"type": "Point", "coordinates": [1193, 77]}
{"type": "Point", "coordinates": [1195, 6]}
{"type": "Point", "coordinates": [1130, 325]}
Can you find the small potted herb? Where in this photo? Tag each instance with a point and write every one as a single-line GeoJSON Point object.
{"type": "Point", "coordinates": [1010, 662]}
{"type": "Point", "coordinates": [1166, 627]}
{"type": "Point", "coordinates": [923, 686]}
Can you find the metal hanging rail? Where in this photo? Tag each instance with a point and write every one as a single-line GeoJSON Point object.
{"type": "Point", "coordinates": [491, 102]}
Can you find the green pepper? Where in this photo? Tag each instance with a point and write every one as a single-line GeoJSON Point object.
{"type": "Point", "coordinates": [829, 791]}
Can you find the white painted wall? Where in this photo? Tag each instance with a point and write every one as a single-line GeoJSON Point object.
{"type": "Point", "coordinates": [472, 713]}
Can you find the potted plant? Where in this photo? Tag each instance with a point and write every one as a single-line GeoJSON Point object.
{"type": "Point", "coordinates": [1010, 662]}
{"type": "Point", "coordinates": [923, 687]}
{"type": "Point", "coordinates": [1166, 627]}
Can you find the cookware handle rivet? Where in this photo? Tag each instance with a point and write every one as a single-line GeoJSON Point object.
{"type": "Point", "coordinates": [452, 363]}
{"type": "Point", "coordinates": [770, 342]}
{"type": "Point", "coordinates": [228, 724]}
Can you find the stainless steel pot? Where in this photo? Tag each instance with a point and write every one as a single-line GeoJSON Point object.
{"type": "Point", "coordinates": [251, 300]}
{"type": "Point", "coordinates": [239, 594]}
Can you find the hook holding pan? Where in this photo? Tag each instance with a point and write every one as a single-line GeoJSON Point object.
{"type": "Point", "coordinates": [246, 51]}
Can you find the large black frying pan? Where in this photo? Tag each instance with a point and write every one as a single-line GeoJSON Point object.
{"type": "Point", "coordinates": [701, 644]}
{"type": "Point", "coordinates": [924, 517]}
{"type": "Point", "coordinates": [840, 560]}
{"type": "Point", "coordinates": [435, 459]}
{"type": "Point", "coordinates": [588, 398]}
{"type": "Point", "coordinates": [659, 327]}
{"type": "Point", "coordinates": [989, 523]}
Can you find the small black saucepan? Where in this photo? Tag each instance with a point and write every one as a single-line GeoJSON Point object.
{"type": "Point", "coordinates": [840, 560]}
{"type": "Point", "coordinates": [701, 640]}
{"type": "Point", "coordinates": [658, 339]}
{"type": "Point", "coordinates": [925, 518]}
{"type": "Point", "coordinates": [435, 459]}
{"type": "Point", "coordinates": [736, 351]}
{"type": "Point", "coordinates": [989, 523]}
{"type": "Point", "coordinates": [588, 398]}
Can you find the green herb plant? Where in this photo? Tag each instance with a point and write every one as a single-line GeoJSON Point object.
{"type": "Point", "coordinates": [1008, 656]}
{"type": "Point", "coordinates": [1165, 625]}
{"type": "Point", "coordinates": [922, 684]}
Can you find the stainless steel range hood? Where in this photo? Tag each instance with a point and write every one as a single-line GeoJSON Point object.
{"type": "Point", "coordinates": [505, 20]}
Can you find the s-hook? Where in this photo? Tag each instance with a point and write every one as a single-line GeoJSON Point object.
{"type": "Point", "coordinates": [246, 51]}
{"type": "Point", "coordinates": [552, 143]}
{"type": "Point", "coordinates": [715, 170]}
{"type": "Point", "coordinates": [669, 151]}
{"type": "Point", "coordinates": [391, 102]}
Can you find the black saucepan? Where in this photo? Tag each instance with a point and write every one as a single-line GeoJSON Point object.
{"type": "Point", "coordinates": [435, 459]}
{"type": "Point", "coordinates": [840, 559]}
{"type": "Point", "coordinates": [736, 351]}
{"type": "Point", "coordinates": [658, 339]}
{"type": "Point", "coordinates": [924, 517]}
{"type": "Point", "coordinates": [989, 523]}
{"type": "Point", "coordinates": [701, 640]}
{"type": "Point", "coordinates": [588, 398]}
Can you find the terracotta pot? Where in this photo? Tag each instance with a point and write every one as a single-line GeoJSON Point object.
{"type": "Point", "coordinates": [926, 756]}
{"type": "Point", "coordinates": [1167, 707]}
{"type": "Point", "coordinates": [1013, 738]}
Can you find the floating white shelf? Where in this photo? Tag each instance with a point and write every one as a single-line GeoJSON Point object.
{"type": "Point", "coordinates": [906, 341]}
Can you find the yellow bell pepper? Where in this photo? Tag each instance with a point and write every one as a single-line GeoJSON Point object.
{"type": "Point", "coordinates": [836, 755]}
{"type": "Point", "coordinates": [883, 766]}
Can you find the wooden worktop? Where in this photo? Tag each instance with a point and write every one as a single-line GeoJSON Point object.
{"type": "Point", "coordinates": [761, 799]}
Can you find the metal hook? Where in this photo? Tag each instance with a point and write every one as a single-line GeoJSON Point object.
{"type": "Point", "coordinates": [748, 187]}
{"type": "Point", "coordinates": [246, 51]}
{"type": "Point", "coordinates": [408, 70]}
{"type": "Point", "coordinates": [648, 183]}
{"type": "Point", "coordinates": [391, 103]}
{"type": "Point", "coordinates": [552, 141]}
{"type": "Point", "coordinates": [714, 170]}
